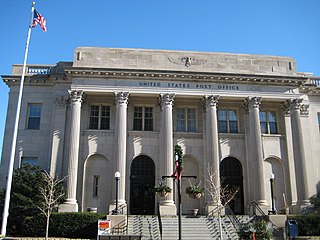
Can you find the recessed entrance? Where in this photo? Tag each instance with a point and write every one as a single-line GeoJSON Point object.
{"type": "Point", "coordinates": [231, 175]}
{"type": "Point", "coordinates": [142, 199]}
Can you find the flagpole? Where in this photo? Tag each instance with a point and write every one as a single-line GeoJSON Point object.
{"type": "Point", "coordinates": [15, 133]}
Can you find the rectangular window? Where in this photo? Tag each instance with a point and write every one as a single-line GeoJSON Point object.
{"type": "Point", "coordinates": [33, 161]}
{"type": "Point", "coordinates": [186, 120]}
{"type": "Point", "coordinates": [95, 186]}
{"type": "Point", "coordinates": [227, 121]}
{"type": "Point", "coordinates": [143, 119]}
{"type": "Point", "coordinates": [34, 116]}
{"type": "Point", "coordinates": [99, 117]}
{"type": "Point", "coordinates": [268, 122]}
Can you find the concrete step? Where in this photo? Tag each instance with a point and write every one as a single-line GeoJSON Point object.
{"type": "Point", "coordinates": [191, 228]}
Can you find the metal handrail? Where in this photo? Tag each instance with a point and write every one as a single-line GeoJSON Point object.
{"type": "Point", "coordinates": [233, 218]}
{"type": "Point", "coordinates": [159, 219]}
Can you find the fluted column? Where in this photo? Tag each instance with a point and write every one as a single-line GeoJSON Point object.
{"type": "Point", "coordinates": [295, 106]}
{"type": "Point", "coordinates": [292, 197]}
{"type": "Point", "coordinates": [255, 152]}
{"type": "Point", "coordinates": [212, 141]}
{"type": "Point", "coordinates": [121, 140]}
{"type": "Point", "coordinates": [71, 204]}
{"type": "Point", "coordinates": [166, 152]}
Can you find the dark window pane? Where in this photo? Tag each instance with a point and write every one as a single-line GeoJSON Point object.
{"type": "Point", "coordinates": [222, 127]}
{"type": "Point", "coordinates": [34, 112]}
{"type": "Point", "coordinates": [181, 120]}
{"type": "Point", "coordinates": [264, 128]}
{"type": "Point", "coordinates": [137, 119]}
{"type": "Point", "coordinates": [191, 120]}
{"type": "Point", "coordinates": [273, 127]}
{"type": "Point", "coordinates": [233, 126]}
{"type": "Point", "coordinates": [94, 117]}
{"type": "Point", "coordinates": [148, 119]}
{"type": "Point", "coordinates": [105, 117]}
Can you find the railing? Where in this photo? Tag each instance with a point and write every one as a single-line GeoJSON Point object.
{"type": "Point", "coordinates": [276, 231]}
{"type": "Point", "coordinates": [122, 227]}
{"type": "Point", "coordinates": [233, 218]}
{"type": "Point", "coordinates": [38, 70]}
{"type": "Point", "coordinates": [159, 220]}
{"type": "Point", "coordinates": [315, 82]}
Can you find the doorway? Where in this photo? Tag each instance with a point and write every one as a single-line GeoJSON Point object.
{"type": "Point", "coordinates": [142, 180]}
{"type": "Point", "coordinates": [231, 176]}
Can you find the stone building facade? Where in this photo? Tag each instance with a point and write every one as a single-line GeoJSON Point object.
{"type": "Point", "coordinates": [247, 116]}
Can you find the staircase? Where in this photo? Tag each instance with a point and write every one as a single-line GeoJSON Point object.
{"type": "Point", "coordinates": [192, 228]}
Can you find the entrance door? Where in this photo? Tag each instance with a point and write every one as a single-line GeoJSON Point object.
{"type": "Point", "coordinates": [142, 198]}
{"type": "Point", "coordinates": [231, 175]}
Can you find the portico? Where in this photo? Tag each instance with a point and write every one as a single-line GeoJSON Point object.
{"type": "Point", "coordinates": [126, 115]}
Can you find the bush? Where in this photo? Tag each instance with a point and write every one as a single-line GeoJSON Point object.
{"type": "Point", "coordinates": [308, 225]}
{"type": "Point", "coordinates": [69, 225]}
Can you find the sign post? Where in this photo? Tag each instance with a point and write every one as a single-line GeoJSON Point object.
{"type": "Point", "coordinates": [104, 227]}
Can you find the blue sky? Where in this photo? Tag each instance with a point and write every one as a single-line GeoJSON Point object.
{"type": "Point", "coordinates": [268, 27]}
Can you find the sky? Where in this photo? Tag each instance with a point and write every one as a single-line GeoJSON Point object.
{"type": "Point", "coordinates": [268, 27]}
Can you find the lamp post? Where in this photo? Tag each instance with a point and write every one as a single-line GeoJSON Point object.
{"type": "Point", "coordinates": [273, 208]}
{"type": "Point", "coordinates": [178, 163]}
{"type": "Point", "coordinates": [117, 178]}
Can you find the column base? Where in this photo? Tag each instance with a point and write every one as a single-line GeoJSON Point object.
{"type": "Point", "coordinates": [70, 205]}
{"type": "Point", "coordinates": [168, 210]}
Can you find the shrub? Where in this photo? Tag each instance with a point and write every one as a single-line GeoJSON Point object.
{"type": "Point", "coordinates": [69, 225]}
{"type": "Point", "coordinates": [308, 225]}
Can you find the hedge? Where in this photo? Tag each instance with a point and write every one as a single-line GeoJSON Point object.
{"type": "Point", "coordinates": [308, 225]}
{"type": "Point", "coordinates": [68, 225]}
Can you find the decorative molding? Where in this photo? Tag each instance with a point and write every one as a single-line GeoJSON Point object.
{"type": "Point", "coordinates": [122, 97]}
{"type": "Point", "coordinates": [286, 109]}
{"type": "Point", "coordinates": [251, 103]}
{"type": "Point", "coordinates": [76, 96]}
{"type": "Point", "coordinates": [187, 61]}
{"type": "Point", "coordinates": [295, 104]}
{"type": "Point", "coordinates": [304, 110]}
{"type": "Point", "coordinates": [210, 101]}
{"type": "Point", "coordinates": [166, 99]}
{"type": "Point", "coordinates": [62, 101]}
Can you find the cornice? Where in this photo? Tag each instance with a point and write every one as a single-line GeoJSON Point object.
{"type": "Point", "coordinates": [218, 77]}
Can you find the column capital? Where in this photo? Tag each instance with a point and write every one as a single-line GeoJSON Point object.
{"type": "Point", "coordinates": [251, 103]}
{"type": "Point", "coordinates": [61, 101]}
{"type": "Point", "coordinates": [295, 104]}
{"type": "Point", "coordinates": [76, 96]}
{"type": "Point", "coordinates": [210, 101]}
{"type": "Point", "coordinates": [122, 97]}
{"type": "Point", "coordinates": [166, 99]}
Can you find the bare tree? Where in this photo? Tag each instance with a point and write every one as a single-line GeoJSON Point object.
{"type": "Point", "coordinates": [220, 195]}
{"type": "Point", "coordinates": [51, 194]}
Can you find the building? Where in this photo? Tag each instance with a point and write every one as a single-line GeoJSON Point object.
{"type": "Point", "coordinates": [248, 116]}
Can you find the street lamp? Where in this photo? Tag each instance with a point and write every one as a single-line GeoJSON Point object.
{"type": "Point", "coordinates": [117, 178]}
{"type": "Point", "coordinates": [178, 163]}
{"type": "Point", "coordinates": [273, 208]}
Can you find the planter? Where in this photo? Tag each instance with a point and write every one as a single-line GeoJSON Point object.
{"type": "Point", "coordinates": [195, 195]}
{"type": "Point", "coordinates": [162, 194]}
{"type": "Point", "coordinates": [194, 212]}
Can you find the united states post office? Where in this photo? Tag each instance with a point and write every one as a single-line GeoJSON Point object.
{"type": "Point", "coordinates": [248, 116]}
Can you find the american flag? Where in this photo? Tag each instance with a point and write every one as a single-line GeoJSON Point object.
{"type": "Point", "coordinates": [38, 18]}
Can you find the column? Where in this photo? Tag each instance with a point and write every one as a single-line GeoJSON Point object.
{"type": "Point", "coordinates": [291, 197]}
{"type": "Point", "coordinates": [212, 157]}
{"type": "Point", "coordinates": [299, 152]}
{"type": "Point", "coordinates": [121, 141]}
{"type": "Point", "coordinates": [58, 133]}
{"type": "Point", "coordinates": [255, 152]}
{"type": "Point", "coordinates": [167, 206]}
{"type": "Point", "coordinates": [71, 204]}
